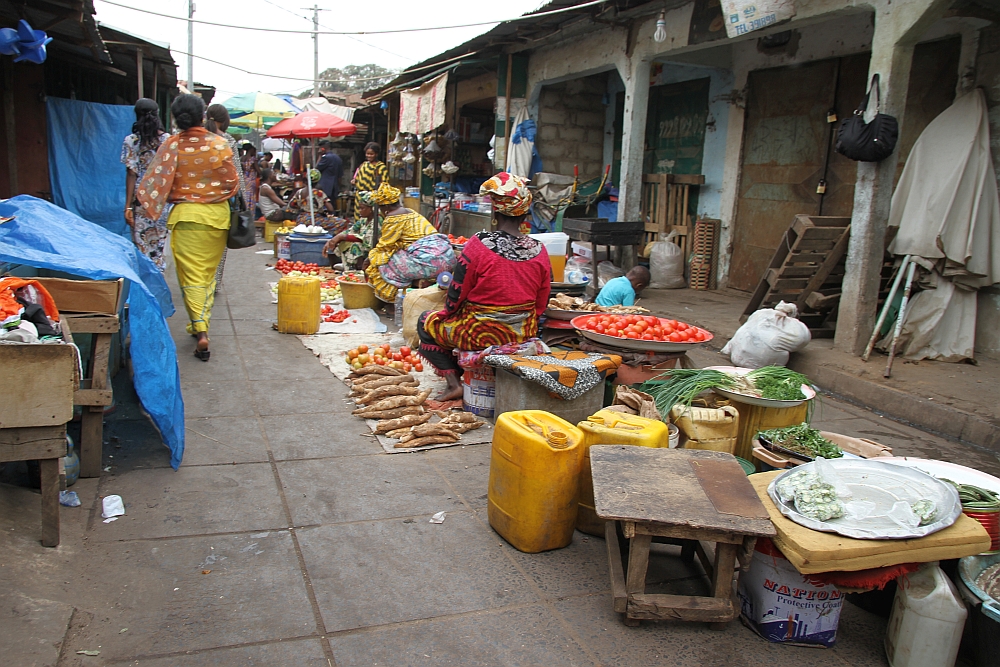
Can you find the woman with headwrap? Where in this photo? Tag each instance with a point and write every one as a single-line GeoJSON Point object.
{"type": "Point", "coordinates": [138, 149]}
{"type": "Point", "coordinates": [499, 289]}
{"type": "Point", "coordinates": [409, 247]}
{"type": "Point", "coordinates": [354, 244]}
{"type": "Point", "coordinates": [194, 170]}
{"type": "Point", "coordinates": [298, 205]}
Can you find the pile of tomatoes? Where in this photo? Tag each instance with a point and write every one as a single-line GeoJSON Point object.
{"type": "Point", "coordinates": [352, 277]}
{"type": "Point", "coordinates": [645, 327]}
{"type": "Point", "coordinates": [331, 314]}
{"type": "Point", "coordinates": [286, 267]}
{"type": "Point", "coordinates": [403, 359]}
{"type": "Point", "coordinates": [457, 240]}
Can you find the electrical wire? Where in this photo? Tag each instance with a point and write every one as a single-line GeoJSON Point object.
{"type": "Point", "coordinates": [310, 79]}
{"type": "Point", "coordinates": [280, 76]}
{"type": "Point", "coordinates": [362, 32]}
{"type": "Point", "coordinates": [359, 41]}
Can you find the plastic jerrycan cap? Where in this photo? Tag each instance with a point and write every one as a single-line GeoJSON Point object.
{"type": "Point", "coordinates": [556, 439]}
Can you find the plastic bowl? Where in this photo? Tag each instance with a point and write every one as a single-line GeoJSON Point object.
{"type": "Point", "coordinates": [357, 295]}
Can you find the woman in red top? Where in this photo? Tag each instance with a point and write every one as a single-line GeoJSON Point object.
{"type": "Point", "coordinates": [500, 287]}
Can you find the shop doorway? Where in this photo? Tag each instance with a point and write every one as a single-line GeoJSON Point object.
{"type": "Point", "coordinates": [788, 144]}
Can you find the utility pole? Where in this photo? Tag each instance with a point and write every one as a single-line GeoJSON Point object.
{"type": "Point", "coordinates": [191, 45]}
{"type": "Point", "coordinates": [316, 10]}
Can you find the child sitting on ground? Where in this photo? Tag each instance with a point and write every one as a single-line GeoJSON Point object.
{"type": "Point", "coordinates": [623, 290]}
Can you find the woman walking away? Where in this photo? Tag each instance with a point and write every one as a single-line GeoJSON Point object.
{"type": "Point", "coordinates": [408, 249]}
{"type": "Point", "coordinates": [194, 170]}
{"type": "Point", "coordinates": [371, 174]}
{"type": "Point", "coordinates": [217, 121]}
{"type": "Point", "coordinates": [138, 149]}
{"type": "Point", "coordinates": [500, 287]}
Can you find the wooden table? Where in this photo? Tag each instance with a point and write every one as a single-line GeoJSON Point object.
{"type": "Point", "coordinates": [94, 393]}
{"type": "Point", "coordinates": [690, 495]}
{"type": "Point", "coordinates": [598, 231]}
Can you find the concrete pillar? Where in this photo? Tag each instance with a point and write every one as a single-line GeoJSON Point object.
{"type": "Point", "coordinates": [898, 26]}
{"type": "Point", "coordinates": [633, 146]}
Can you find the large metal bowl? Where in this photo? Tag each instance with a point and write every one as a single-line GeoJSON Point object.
{"type": "Point", "coordinates": [807, 391]}
{"type": "Point", "coordinates": [632, 343]}
{"type": "Point", "coordinates": [557, 314]}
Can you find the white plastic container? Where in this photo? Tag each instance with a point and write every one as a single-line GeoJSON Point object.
{"type": "Point", "coordinates": [555, 242]}
{"type": "Point", "coordinates": [927, 620]}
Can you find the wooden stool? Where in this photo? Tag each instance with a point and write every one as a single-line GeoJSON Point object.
{"type": "Point", "coordinates": [94, 393]}
{"type": "Point", "coordinates": [684, 494]}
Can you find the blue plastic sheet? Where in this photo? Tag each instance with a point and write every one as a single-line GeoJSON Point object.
{"type": "Point", "coordinates": [85, 169]}
{"type": "Point", "coordinates": [48, 237]}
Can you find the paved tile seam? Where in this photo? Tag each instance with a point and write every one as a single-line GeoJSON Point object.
{"type": "Point", "coordinates": [231, 533]}
{"type": "Point", "coordinates": [404, 517]}
{"type": "Point", "coordinates": [304, 571]}
{"type": "Point", "coordinates": [138, 659]}
{"type": "Point", "coordinates": [545, 601]}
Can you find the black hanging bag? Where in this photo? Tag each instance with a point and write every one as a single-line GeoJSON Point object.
{"type": "Point", "coordinates": [242, 232]}
{"type": "Point", "coordinates": [868, 142]}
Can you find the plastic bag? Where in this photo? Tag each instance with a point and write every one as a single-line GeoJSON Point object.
{"type": "Point", "coordinates": [768, 337]}
{"type": "Point", "coordinates": [607, 271]}
{"type": "Point", "coordinates": [578, 270]}
{"type": "Point", "coordinates": [666, 265]}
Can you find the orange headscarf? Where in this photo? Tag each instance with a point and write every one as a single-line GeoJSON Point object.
{"type": "Point", "coordinates": [194, 166]}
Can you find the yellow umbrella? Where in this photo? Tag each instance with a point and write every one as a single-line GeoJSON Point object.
{"type": "Point", "coordinates": [257, 110]}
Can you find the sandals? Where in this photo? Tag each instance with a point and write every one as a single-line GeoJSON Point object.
{"type": "Point", "coordinates": [201, 349]}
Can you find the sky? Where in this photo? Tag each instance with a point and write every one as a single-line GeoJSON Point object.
{"type": "Point", "coordinates": [290, 55]}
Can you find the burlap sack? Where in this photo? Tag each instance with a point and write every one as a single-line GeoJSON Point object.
{"type": "Point", "coordinates": [415, 304]}
{"type": "Point", "coordinates": [637, 402]}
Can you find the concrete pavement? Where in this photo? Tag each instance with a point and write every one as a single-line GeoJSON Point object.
{"type": "Point", "coordinates": [289, 538]}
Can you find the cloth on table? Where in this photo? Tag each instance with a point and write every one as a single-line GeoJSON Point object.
{"type": "Point", "coordinates": [861, 581]}
{"type": "Point", "coordinates": [11, 308]}
{"type": "Point", "coordinates": [568, 374]}
{"type": "Point", "coordinates": [635, 358]}
{"type": "Point", "coordinates": [474, 358]}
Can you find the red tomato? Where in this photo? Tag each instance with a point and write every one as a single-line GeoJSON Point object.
{"type": "Point", "coordinates": [397, 356]}
{"type": "Point", "coordinates": [405, 351]}
{"type": "Point", "coordinates": [418, 367]}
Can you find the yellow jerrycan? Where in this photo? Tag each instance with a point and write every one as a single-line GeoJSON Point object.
{"type": "Point", "coordinates": [607, 427]}
{"type": "Point", "coordinates": [298, 305]}
{"type": "Point", "coordinates": [534, 465]}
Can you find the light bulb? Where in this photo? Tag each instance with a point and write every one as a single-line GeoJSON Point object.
{"type": "Point", "coordinates": [661, 28]}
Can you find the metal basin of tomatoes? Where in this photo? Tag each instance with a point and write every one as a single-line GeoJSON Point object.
{"type": "Point", "coordinates": [638, 342]}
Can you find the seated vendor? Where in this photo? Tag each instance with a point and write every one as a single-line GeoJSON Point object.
{"type": "Point", "coordinates": [298, 205]}
{"type": "Point", "coordinates": [623, 290]}
{"type": "Point", "coordinates": [500, 287]}
{"type": "Point", "coordinates": [354, 244]}
{"type": "Point", "coordinates": [409, 248]}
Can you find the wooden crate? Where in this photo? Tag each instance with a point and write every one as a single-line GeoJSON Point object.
{"type": "Point", "coordinates": [664, 207]}
{"type": "Point", "coordinates": [38, 382]}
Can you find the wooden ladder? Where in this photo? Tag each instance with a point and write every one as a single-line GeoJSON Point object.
{"type": "Point", "coordinates": [664, 207]}
{"type": "Point", "coordinates": [807, 269]}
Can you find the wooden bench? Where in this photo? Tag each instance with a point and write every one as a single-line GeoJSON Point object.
{"type": "Point", "coordinates": [94, 393]}
{"type": "Point", "coordinates": [699, 498]}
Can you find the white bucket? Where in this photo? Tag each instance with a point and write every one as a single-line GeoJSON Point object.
{"type": "Point", "coordinates": [284, 246]}
{"type": "Point", "coordinates": [479, 391]}
{"type": "Point", "coordinates": [555, 242]}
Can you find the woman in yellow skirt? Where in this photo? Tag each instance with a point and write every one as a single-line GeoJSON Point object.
{"type": "Point", "coordinates": [409, 247]}
{"type": "Point", "coordinates": [193, 170]}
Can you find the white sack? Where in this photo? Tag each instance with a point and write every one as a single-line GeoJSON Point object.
{"type": "Point", "coordinates": [666, 266]}
{"type": "Point", "coordinates": [767, 338]}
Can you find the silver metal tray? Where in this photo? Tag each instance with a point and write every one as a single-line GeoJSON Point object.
{"type": "Point", "coordinates": [807, 391]}
{"type": "Point", "coordinates": [882, 484]}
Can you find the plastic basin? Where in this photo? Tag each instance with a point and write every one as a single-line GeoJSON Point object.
{"type": "Point", "coordinates": [357, 295]}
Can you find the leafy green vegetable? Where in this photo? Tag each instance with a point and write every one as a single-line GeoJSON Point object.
{"type": "Point", "coordinates": [778, 383]}
{"type": "Point", "coordinates": [683, 385]}
{"type": "Point", "coordinates": [802, 439]}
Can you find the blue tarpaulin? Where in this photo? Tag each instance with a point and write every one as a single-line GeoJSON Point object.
{"type": "Point", "coordinates": [48, 237]}
{"type": "Point", "coordinates": [85, 169]}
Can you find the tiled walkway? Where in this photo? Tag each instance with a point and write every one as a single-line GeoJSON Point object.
{"type": "Point", "coordinates": [289, 538]}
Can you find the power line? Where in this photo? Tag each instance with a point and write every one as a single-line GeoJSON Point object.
{"type": "Point", "coordinates": [364, 32]}
{"type": "Point", "coordinates": [359, 41]}
{"type": "Point", "coordinates": [290, 78]}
